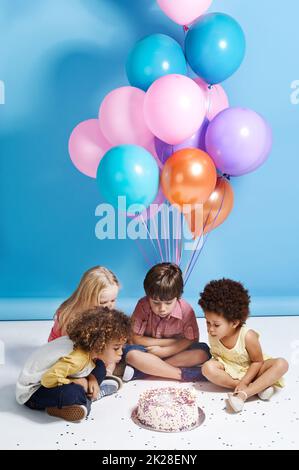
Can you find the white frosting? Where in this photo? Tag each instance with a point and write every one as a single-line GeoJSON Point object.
{"type": "Point", "coordinates": [168, 409]}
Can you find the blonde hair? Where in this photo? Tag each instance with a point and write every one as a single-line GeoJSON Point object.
{"type": "Point", "coordinates": [86, 296]}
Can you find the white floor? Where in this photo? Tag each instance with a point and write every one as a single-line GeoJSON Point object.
{"type": "Point", "coordinates": [262, 425]}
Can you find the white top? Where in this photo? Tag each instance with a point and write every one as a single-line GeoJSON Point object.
{"type": "Point", "coordinates": [39, 363]}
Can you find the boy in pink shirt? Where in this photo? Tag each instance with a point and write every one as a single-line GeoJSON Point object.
{"type": "Point", "coordinates": [165, 331]}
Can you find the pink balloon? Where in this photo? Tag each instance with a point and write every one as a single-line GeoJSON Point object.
{"type": "Point", "coordinates": [216, 98]}
{"type": "Point", "coordinates": [87, 146]}
{"type": "Point", "coordinates": [174, 108]}
{"type": "Point", "coordinates": [184, 12]}
{"type": "Point", "coordinates": [121, 117]}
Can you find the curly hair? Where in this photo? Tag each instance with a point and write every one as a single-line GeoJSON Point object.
{"type": "Point", "coordinates": [227, 298]}
{"type": "Point", "coordinates": [97, 327]}
{"type": "Point", "coordinates": [164, 281]}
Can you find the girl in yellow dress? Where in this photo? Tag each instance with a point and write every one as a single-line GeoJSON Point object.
{"type": "Point", "coordinates": [238, 362]}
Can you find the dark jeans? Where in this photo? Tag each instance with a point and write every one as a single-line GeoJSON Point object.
{"type": "Point", "coordinates": [65, 395]}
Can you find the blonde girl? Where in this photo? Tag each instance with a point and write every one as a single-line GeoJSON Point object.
{"type": "Point", "coordinates": [98, 287]}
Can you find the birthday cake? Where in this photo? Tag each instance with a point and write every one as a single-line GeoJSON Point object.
{"type": "Point", "coordinates": [168, 409]}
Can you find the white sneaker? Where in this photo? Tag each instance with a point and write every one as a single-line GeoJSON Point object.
{"type": "Point", "coordinates": [128, 374]}
{"type": "Point", "coordinates": [266, 394]}
{"type": "Point", "coordinates": [236, 402]}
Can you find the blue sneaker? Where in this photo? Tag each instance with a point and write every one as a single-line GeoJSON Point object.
{"type": "Point", "coordinates": [192, 374]}
{"type": "Point", "coordinates": [109, 386]}
{"type": "Point", "coordinates": [133, 374]}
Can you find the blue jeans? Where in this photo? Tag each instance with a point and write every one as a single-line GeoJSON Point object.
{"type": "Point", "coordinates": [65, 395]}
{"type": "Point", "coordinates": [194, 346]}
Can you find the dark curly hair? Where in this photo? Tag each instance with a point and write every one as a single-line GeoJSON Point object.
{"type": "Point", "coordinates": [227, 298]}
{"type": "Point", "coordinates": [97, 327]}
{"type": "Point", "coordinates": [164, 281]}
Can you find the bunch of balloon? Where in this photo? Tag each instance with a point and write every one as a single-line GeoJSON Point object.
{"type": "Point", "coordinates": [167, 135]}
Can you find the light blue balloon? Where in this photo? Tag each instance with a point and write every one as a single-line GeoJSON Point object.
{"type": "Point", "coordinates": [130, 171]}
{"type": "Point", "coordinates": [153, 57]}
{"type": "Point", "coordinates": [215, 47]}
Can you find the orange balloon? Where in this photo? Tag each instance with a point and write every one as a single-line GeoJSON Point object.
{"type": "Point", "coordinates": [188, 177]}
{"type": "Point", "coordinates": [214, 211]}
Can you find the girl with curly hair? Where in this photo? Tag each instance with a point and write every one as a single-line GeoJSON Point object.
{"type": "Point", "coordinates": [64, 383]}
{"type": "Point", "coordinates": [238, 362]}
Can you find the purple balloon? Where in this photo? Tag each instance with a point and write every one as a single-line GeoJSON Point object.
{"type": "Point", "coordinates": [239, 140]}
{"type": "Point", "coordinates": [197, 140]}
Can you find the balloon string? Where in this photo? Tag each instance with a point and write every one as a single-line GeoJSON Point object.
{"type": "Point", "coordinates": [209, 100]}
{"type": "Point", "coordinates": [205, 239]}
{"type": "Point", "coordinates": [157, 237]}
{"type": "Point", "coordinates": [164, 236]}
{"type": "Point", "coordinates": [143, 252]}
{"type": "Point", "coordinates": [180, 243]}
{"type": "Point", "coordinates": [199, 239]}
{"type": "Point", "coordinates": [152, 241]}
{"type": "Point", "coordinates": [202, 236]}
{"type": "Point", "coordinates": [178, 219]}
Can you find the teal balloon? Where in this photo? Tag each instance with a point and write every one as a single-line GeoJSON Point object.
{"type": "Point", "coordinates": [153, 57]}
{"type": "Point", "coordinates": [130, 171]}
{"type": "Point", "coordinates": [215, 47]}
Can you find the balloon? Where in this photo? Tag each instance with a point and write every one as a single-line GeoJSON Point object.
{"type": "Point", "coordinates": [121, 117]}
{"type": "Point", "coordinates": [214, 211]}
{"type": "Point", "coordinates": [130, 171]}
{"type": "Point", "coordinates": [188, 177]}
{"type": "Point", "coordinates": [184, 11]}
{"type": "Point", "coordinates": [174, 108]}
{"type": "Point", "coordinates": [87, 145]}
{"type": "Point", "coordinates": [197, 140]}
{"type": "Point", "coordinates": [215, 47]}
{"type": "Point", "coordinates": [239, 140]}
{"type": "Point", "coordinates": [216, 98]}
{"type": "Point", "coordinates": [151, 148]}
{"type": "Point", "coordinates": [152, 210]}
{"type": "Point", "coordinates": [153, 57]}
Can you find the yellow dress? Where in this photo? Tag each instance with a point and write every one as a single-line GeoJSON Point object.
{"type": "Point", "coordinates": [236, 361]}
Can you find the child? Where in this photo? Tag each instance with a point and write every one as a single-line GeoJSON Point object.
{"type": "Point", "coordinates": [64, 383]}
{"type": "Point", "coordinates": [238, 362]}
{"type": "Point", "coordinates": [165, 330]}
{"type": "Point", "coordinates": [97, 287]}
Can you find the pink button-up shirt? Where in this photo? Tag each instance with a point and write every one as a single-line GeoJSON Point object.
{"type": "Point", "coordinates": [181, 322]}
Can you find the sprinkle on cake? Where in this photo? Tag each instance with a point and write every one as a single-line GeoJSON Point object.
{"type": "Point", "coordinates": [168, 409]}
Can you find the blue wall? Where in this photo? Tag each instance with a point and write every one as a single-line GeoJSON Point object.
{"type": "Point", "coordinates": [58, 59]}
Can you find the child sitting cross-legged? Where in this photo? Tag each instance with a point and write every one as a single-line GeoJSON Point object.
{"type": "Point", "coordinates": [165, 331]}
{"type": "Point", "coordinates": [238, 362]}
{"type": "Point", "coordinates": [63, 376]}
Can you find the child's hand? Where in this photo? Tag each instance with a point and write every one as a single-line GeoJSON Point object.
{"type": "Point", "coordinates": [83, 382]}
{"type": "Point", "coordinates": [158, 351]}
{"type": "Point", "coordinates": [93, 387]}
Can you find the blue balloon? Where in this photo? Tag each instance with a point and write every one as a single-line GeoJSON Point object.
{"type": "Point", "coordinates": [215, 47]}
{"type": "Point", "coordinates": [130, 171]}
{"type": "Point", "coordinates": [153, 57]}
